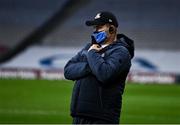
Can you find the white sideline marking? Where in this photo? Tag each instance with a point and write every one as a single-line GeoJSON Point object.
{"type": "Point", "coordinates": [31, 112]}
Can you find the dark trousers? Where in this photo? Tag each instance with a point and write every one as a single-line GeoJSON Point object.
{"type": "Point", "coordinates": [88, 120]}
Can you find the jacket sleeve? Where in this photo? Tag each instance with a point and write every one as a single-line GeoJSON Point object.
{"type": "Point", "coordinates": [107, 69]}
{"type": "Point", "coordinates": [77, 67]}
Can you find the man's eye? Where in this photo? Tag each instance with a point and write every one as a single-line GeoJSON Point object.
{"type": "Point", "coordinates": [100, 26]}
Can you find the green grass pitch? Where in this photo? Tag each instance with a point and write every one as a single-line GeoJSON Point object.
{"type": "Point", "coordinates": [43, 101]}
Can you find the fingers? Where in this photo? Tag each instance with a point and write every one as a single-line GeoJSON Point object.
{"type": "Point", "coordinates": [95, 47]}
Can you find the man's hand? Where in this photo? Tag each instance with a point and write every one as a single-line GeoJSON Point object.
{"type": "Point", "coordinates": [95, 47]}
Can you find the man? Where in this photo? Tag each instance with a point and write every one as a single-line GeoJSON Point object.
{"type": "Point", "coordinates": [100, 70]}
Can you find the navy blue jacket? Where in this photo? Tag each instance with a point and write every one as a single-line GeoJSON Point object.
{"type": "Point", "coordinates": [100, 79]}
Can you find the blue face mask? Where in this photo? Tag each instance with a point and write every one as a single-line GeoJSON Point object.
{"type": "Point", "coordinates": [99, 36]}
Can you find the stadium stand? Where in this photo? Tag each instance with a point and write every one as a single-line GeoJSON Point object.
{"type": "Point", "coordinates": [19, 18]}
{"type": "Point", "coordinates": [153, 24]}
{"type": "Point", "coordinates": [3, 49]}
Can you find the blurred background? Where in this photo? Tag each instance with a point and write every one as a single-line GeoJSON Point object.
{"type": "Point", "coordinates": [38, 37]}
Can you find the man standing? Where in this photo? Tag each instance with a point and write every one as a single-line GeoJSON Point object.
{"type": "Point", "coordinates": [100, 70]}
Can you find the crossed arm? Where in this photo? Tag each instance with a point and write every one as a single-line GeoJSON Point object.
{"type": "Point", "coordinates": [92, 63]}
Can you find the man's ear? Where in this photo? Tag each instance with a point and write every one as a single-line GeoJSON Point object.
{"type": "Point", "coordinates": [112, 29]}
